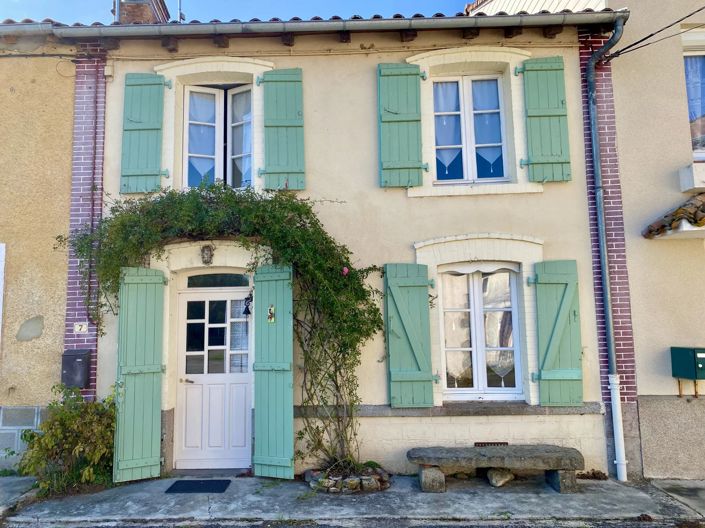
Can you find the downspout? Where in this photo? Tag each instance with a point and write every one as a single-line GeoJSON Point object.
{"type": "Point", "coordinates": [615, 390]}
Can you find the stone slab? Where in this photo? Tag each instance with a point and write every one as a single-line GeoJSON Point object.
{"type": "Point", "coordinates": [538, 457]}
{"type": "Point", "coordinates": [11, 490]}
{"type": "Point", "coordinates": [249, 499]}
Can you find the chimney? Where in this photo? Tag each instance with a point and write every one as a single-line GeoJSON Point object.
{"type": "Point", "coordinates": [143, 12]}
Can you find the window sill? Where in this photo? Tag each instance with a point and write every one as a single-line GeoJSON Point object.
{"type": "Point", "coordinates": [485, 408]}
{"type": "Point", "coordinates": [473, 189]}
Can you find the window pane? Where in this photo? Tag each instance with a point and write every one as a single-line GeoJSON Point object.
{"type": "Point", "coordinates": [500, 368]}
{"type": "Point", "coordinates": [201, 140]}
{"type": "Point", "coordinates": [485, 95]}
{"type": "Point", "coordinates": [218, 280]}
{"type": "Point", "coordinates": [498, 329]}
{"type": "Point", "coordinates": [194, 364]}
{"type": "Point", "coordinates": [238, 363]}
{"type": "Point", "coordinates": [236, 309]}
{"type": "Point", "coordinates": [455, 291]}
{"type": "Point", "coordinates": [448, 130]}
{"type": "Point", "coordinates": [216, 361]}
{"type": "Point", "coordinates": [216, 337]}
{"type": "Point", "coordinates": [196, 310]}
{"type": "Point", "coordinates": [695, 90]}
{"type": "Point", "coordinates": [201, 107]}
{"type": "Point", "coordinates": [449, 164]}
{"type": "Point", "coordinates": [457, 329]}
{"type": "Point", "coordinates": [195, 337]}
{"type": "Point", "coordinates": [200, 170]}
{"type": "Point", "coordinates": [446, 97]}
{"type": "Point", "coordinates": [216, 312]}
{"type": "Point", "coordinates": [495, 290]}
{"type": "Point", "coordinates": [241, 106]}
{"type": "Point", "coordinates": [242, 172]}
{"type": "Point", "coordinates": [490, 163]}
{"type": "Point", "coordinates": [487, 129]}
{"type": "Point", "coordinates": [458, 369]}
{"type": "Point", "coordinates": [238, 336]}
{"type": "Point", "coordinates": [241, 139]}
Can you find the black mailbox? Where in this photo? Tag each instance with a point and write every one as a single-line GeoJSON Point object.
{"type": "Point", "coordinates": [75, 368]}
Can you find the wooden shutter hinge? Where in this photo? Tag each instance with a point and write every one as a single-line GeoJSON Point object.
{"type": "Point", "coordinates": [524, 163]}
{"type": "Point", "coordinates": [164, 366]}
{"type": "Point", "coordinates": [259, 80]}
{"type": "Point", "coordinates": [535, 377]}
{"type": "Point", "coordinates": [532, 281]}
{"type": "Point", "coordinates": [436, 378]}
{"type": "Point", "coordinates": [164, 173]}
{"type": "Point", "coordinates": [518, 70]}
{"type": "Point", "coordinates": [168, 84]}
{"type": "Point", "coordinates": [432, 283]}
{"type": "Point", "coordinates": [423, 75]}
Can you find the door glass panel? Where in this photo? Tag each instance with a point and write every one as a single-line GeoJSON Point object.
{"type": "Point", "coordinates": [457, 329]}
{"type": "Point", "coordinates": [488, 128]}
{"type": "Point", "coordinates": [216, 361]}
{"type": "Point", "coordinates": [490, 163]}
{"type": "Point", "coordinates": [238, 336]}
{"type": "Point", "coordinates": [196, 310]}
{"type": "Point", "coordinates": [217, 280]}
{"type": "Point", "coordinates": [216, 336]}
{"type": "Point", "coordinates": [455, 291]}
{"type": "Point", "coordinates": [242, 172]}
{"type": "Point", "coordinates": [236, 309]}
{"type": "Point", "coordinates": [241, 139]}
{"type": "Point", "coordinates": [201, 140]}
{"type": "Point", "coordinates": [446, 97]}
{"type": "Point", "coordinates": [194, 364]}
{"type": "Point", "coordinates": [485, 95]}
{"type": "Point", "coordinates": [195, 337]}
{"type": "Point", "coordinates": [449, 164]}
{"type": "Point", "coordinates": [241, 105]}
{"type": "Point", "coordinates": [458, 369]}
{"type": "Point", "coordinates": [500, 368]}
{"type": "Point", "coordinates": [498, 329]}
{"type": "Point", "coordinates": [200, 170]}
{"type": "Point", "coordinates": [238, 363]}
{"type": "Point", "coordinates": [216, 312]}
{"type": "Point", "coordinates": [448, 130]}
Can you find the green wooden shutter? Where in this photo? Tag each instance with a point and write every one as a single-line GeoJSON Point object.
{"type": "Point", "coordinates": [558, 325]}
{"type": "Point", "coordinates": [139, 375]}
{"type": "Point", "coordinates": [274, 391]}
{"type": "Point", "coordinates": [283, 129]}
{"type": "Point", "coordinates": [142, 133]}
{"type": "Point", "coordinates": [408, 335]}
{"type": "Point", "coordinates": [546, 120]}
{"type": "Point", "coordinates": [399, 118]}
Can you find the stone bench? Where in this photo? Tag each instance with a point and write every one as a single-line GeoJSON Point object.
{"type": "Point", "coordinates": [559, 463]}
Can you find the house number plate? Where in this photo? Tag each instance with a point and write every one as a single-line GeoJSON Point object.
{"type": "Point", "coordinates": [80, 328]}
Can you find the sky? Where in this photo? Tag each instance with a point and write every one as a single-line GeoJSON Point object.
{"type": "Point", "coordinates": [88, 11]}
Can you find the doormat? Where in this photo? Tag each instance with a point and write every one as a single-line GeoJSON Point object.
{"type": "Point", "coordinates": [199, 486]}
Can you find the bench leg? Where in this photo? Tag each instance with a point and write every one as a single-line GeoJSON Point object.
{"type": "Point", "coordinates": [563, 481]}
{"type": "Point", "coordinates": [432, 479]}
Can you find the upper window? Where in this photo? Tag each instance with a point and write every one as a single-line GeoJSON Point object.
{"type": "Point", "coordinates": [479, 318]}
{"type": "Point", "coordinates": [218, 138]}
{"type": "Point", "coordinates": [695, 89]}
{"type": "Point", "coordinates": [469, 129]}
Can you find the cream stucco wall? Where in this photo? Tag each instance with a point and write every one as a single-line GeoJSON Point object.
{"type": "Point", "coordinates": [36, 110]}
{"type": "Point", "coordinates": [667, 276]}
{"type": "Point", "coordinates": [382, 225]}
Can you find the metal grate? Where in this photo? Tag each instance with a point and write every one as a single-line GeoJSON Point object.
{"type": "Point", "coordinates": [488, 444]}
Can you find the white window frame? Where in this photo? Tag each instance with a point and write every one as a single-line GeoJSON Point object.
{"type": "Point", "coordinates": [221, 121]}
{"type": "Point", "coordinates": [229, 168]}
{"type": "Point", "coordinates": [480, 391]}
{"type": "Point", "coordinates": [467, 128]}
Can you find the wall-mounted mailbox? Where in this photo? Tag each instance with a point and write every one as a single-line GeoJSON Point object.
{"type": "Point", "coordinates": [688, 363]}
{"type": "Point", "coordinates": [75, 368]}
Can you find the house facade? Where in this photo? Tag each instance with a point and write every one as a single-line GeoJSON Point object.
{"type": "Point", "coordinates": [453, 151]}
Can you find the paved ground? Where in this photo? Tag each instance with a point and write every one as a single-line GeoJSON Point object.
{"type": "Point", "coordinates": [689, 492]}
{"type": "Point", "coordinates": [264, 502]}
{"type": "Point", "coordinates": [11, 489]}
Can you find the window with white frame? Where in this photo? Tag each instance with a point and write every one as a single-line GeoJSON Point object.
{"type": "Point", "coordinates": [469, 129]}
{"type": "Point", "coordinates": [695, 90]}
{"type": "Point", "coordinates": [218, 135]}
{"type": "Point", "coordinates": [480, 348]}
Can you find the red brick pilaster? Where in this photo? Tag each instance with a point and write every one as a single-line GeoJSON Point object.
{"type": "Point", "coordinates": [619, 278]}
{"type": "Point", "coordinates": [86, 191]}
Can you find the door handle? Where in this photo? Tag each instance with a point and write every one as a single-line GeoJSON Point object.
{"type": "Point", "coordinates": [186, 380]}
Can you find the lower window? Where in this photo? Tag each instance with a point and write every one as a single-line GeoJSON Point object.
{"type": "Point", "coordinates": [479, 344]}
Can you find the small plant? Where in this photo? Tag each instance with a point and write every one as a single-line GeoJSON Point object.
{"type": "Point", "coordinates": [74, 445]}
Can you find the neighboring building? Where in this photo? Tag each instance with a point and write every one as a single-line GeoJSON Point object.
{"type": "Point", "coordinates": [499, 225]}
{"type": "Point", "coordinates": [36, 109]}
{"type": "Point", "coordinates": [658, 97]}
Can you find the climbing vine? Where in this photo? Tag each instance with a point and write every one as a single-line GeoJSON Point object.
{"type": "Point", "coordinates": [335, 310]}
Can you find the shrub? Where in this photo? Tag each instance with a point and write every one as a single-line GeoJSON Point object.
{"type": "Point", "coordinates": [74, 445]}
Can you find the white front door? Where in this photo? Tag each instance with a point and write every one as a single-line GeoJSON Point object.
{"type": "Point", "coordinates": [213, 412]}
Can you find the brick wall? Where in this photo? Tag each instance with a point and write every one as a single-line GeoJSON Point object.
{"type": "Point", "coordinates": [616, 249]}
{"type": "Point", "coordinates": [143, 12]}
{"type": "Point", "coordinates": [86, 191]}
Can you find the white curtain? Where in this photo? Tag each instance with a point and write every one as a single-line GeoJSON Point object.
{"type": "Point", "coordinates": [446, 98]}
